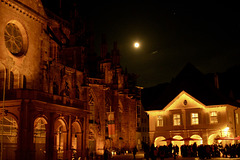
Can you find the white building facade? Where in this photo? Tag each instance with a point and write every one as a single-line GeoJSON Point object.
{"type": "Point", "coordinates": [186, 117]}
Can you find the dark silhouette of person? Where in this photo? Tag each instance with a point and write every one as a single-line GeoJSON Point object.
{"type": "Point", "coordinates": [134, 152]}
{"type": "Point", "coordinates": [105, 155]}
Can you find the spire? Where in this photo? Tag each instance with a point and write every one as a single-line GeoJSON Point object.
{"type": "Point", "coordinates": [103, 47]}
{"type": "Point", "coordinates": [115, 55]}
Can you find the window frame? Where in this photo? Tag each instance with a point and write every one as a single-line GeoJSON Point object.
{"type": "Point", "coordinates": [176, 119]}
{"type": "Point", "coordinates": [213, 118]}
{"type": "Point", "coordinates": [193, 118]}
{"type": "Point", "coordinates": [159, 119]}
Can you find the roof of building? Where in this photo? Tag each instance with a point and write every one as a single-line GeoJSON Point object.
{"type": "Point", "coordinates": [191, 80]}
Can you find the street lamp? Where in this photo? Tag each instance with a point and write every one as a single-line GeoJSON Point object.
{"type": "Point", "coordinates": [3, 101]}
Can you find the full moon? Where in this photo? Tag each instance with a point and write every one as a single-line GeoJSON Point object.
{"type": "Point", "coordinates": [136, 45]}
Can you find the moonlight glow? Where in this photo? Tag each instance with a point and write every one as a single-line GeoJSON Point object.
{"type": "Point", "coordinates": [136, 45]}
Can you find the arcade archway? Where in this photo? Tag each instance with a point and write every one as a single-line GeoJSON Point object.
{"type": "Point", "coordinates": [159, 141]}
{"type": "Point", "coordinates": [211, 139]}
{"type": "Point", "coordinates": [39, 138]}
{"type": "Point", "coordinates": [199, 140]}
{"type": "Point", "coordinates": [76, 138]}
{"type": "Point", "coordinates": [60, 138]}
{"type": "Point", "coordinates": [9, 132]}
{"type": "Point", "coordinates": [178, 143]}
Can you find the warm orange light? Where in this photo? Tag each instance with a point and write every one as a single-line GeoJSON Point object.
{"type": "Point", "coordinates": [216, 108]}
{"type": "Point", "coordinates": [225, 132]}
{"type": "Point", "coordinates": [136, 45]}
{"type": "Point", "coordinates": [226, 129]}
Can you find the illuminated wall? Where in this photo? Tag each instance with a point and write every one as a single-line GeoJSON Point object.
{"type": "Point", "coordinates": [196, 119]}
{"type": "Point", "coordinates": [19, 50]}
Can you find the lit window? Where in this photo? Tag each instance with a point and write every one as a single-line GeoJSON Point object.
{"type": "Point", "coordinates": [237, 118]}
{"type": "Point", "coordinates": [160, 121]}
{"type": "Point", "coordinates": [194, 119]}
{"type": "Point", "coordinates": [213, 117]}
{"type": "Point", "coordinates": [176, 120]}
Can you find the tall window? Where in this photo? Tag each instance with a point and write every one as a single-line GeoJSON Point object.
{"type": "Point", "coordinates": [160, 121]}
{"type": "Point", "coordinates": [176, 120]}
{"type": "Point", "coordinates": [194, 119]}
{"type": "Point", "coordinates": [91, 104]}
{"type": "Point", "coordinates": [213, 117]}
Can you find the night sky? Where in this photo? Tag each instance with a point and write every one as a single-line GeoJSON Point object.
{"type": "Point", "coordinates": [170, 35]}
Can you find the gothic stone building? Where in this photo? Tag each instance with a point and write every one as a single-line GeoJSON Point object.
{"type": "Point", "coordinates": [57, 98]}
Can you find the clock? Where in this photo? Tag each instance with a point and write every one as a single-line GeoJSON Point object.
{"type": "Point", "coordinates": [15, 39]}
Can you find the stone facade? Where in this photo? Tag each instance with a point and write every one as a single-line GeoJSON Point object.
{"type": "Point", "coordinates": [59, 99]}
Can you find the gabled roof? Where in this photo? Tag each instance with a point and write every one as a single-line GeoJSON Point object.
{"type": "Point", "coordinates": [178, 101]}
{"type": "Point", "coordinates": [192, 81]}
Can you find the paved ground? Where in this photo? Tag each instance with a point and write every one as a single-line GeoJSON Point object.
{"type": "Point", "coordinates": [140, 156]}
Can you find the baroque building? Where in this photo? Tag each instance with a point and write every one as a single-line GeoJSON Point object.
{"type": "Point", "coordinates": [190, 110]}
{"type": "Point", "coordinates": [58, 98]}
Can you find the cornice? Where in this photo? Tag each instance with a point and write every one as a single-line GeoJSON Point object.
{"type": "Point", "coordinates": [24, 10]}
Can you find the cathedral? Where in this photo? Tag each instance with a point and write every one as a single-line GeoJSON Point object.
{"type": "Point", "coordinates": [58, 98]}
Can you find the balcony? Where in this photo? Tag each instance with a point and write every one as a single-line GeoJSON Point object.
{"type": "Point", "coordinates": [42, 96]}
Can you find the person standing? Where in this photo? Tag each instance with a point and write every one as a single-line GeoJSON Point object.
{"type": "Point", "coordinates": [134, 152]}
{"type": "Point", "coordinates": [105, 155]}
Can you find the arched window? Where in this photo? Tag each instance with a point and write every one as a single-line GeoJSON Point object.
{"type": "Point", "coordinates": [9, 133]}
{"type": "Point", "coordinates": [39, 138]}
